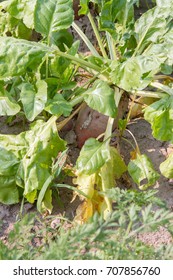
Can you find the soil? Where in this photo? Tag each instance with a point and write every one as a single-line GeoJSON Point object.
{"type": "Point", "coordinates": [156, 150]}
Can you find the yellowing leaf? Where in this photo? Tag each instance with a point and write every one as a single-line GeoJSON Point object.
{"type": "Point", "coordinates": [84, 212]}
{"type": "Point", "coordinates": [86, 184]}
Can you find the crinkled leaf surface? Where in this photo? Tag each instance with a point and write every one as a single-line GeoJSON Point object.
{"type": "Point", "coordinates": [17, 144]}
{"type": "Point", "coordinates": [35, 166]}
{"type": "Point", "coordinates": [142, 172]}
{"type": "Point", "coordinates": [58, 105]}
{"type": "Point", "coordinates": [8, 163]}
{"type": "Point", "coordinates": [127, 75]}
{"type": "Point", "coordinates": [8, 168]}
{"type": "Point", "coordinates": [151, 26]}
{"type": "Point", "coordinates": [160, 115]}
{"type": "Point", "coordinates": [115, 10]}
{"type": "Point", "coordinates": [8, 106]}
{"type": "Point", "coordinates": [33, 98]}
{"type": "Point", "coordinates": [92, 157]}
{"type": "Point", "coordinates": [8, 190]}
{"type": "Point", "coordinates": [102, 99]}
{"type": "Point", "coordinates": [23, 9]}
{"type": "Point", "coordinates": [35, 150]}
{"type": "Point", "coordinates": [166, 167]}
{"type": "Point", "coordinates": [53, 15]}
{"type": "Point", "coordinates": [17, 55]}
{"type": "Point", "coordinates": [164, 3]}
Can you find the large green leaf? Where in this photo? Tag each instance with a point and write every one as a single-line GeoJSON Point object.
{"type": "Point", "coordinates": [160, 115]}
{"type": "Point", "coordinates": [8, 190]}
{"type": "Point", "coordinates": [142, 172]}
{"type": "Point", "coordinates": [8, 106]}
{"type": "Point", "coordinates": [115, 10]}
{"type": "Point", "coordinates": [93, 156]}
{"type": "Point", "coordinates": [52, 16]}
{"type": "Point", "coordinates": [33, 98]}
{"type": "Point", "coordinates": [166, 167]}
{"type": "Point", "coordinates": [8, 168]}
{"type": "Point", "coordinates": [8, 163]}
{"type": "Point", "coordinates": [127, 75]}
{"type": "Point", "coordinates": [23, 9]}
{"type": "Point", "coordinates": [17, 144]}
{"type": "Point", "coordinates": [13, 26]}
{"type": "Point", "coordinates": [30, 156]}
{"type": "Point", "coordinates": [18, 55]}
{"type": "Point", "coordinates": [102, 99]}
{"type": "Point", "coordinates": [151, 26]}
{"type": "Point", "coordinates": [164, 3]}
{"type": "Point", "coordinates": [35, 166]}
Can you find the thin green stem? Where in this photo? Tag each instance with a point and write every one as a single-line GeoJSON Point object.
{"type": "Point", "coordinates": [123, 138]}
{"type": "Point", "coordinates": [137, 147]}
{"type": "Point", "coordinates": [111, 47]}
{"type": "Point", "coordinates": [108, 131]}
{"type": "Point", "coordinates": [97, 35]}
{"type": "Point", "coordinates": [80, 61]}
{"type": "Point", "coordinates": [76, 100]}
{"type": "Point", "coordinates": [86, 40]}
{"type": "Point", "coordinates": [162, 87]}
{"type": "Point", "coordinates": [149, 94]}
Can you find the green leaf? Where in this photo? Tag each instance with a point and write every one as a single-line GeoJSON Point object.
{"type": "Point", "coordinates": [56, 169]}
{"type": "Point", "coordinates": [19, 55]}
{"type": "Point", "coordinates": [115, 10]}
{"type": "Point", "coordinates": [58, 106]}
{"type": "Point", "coordinates": [8, 190]}
{"type": "Point", "coordinates": [142, 172]}
{"type": "Point", "coordinates": [92, 157]}
{"type": "Point", "coordinates": [17, 144]}
{"type": "Point", "coordinates": [84, 7]}
{"type": "Point", "coordinates": [8, 163]}
{"type": "Point", "coordinates": [58, 65]}
{"type": "Point", "coordinates": [164, 3]}
{"type": "Point", "coordinates": [117, 163]}
{"type": "Point", "coordinates": [127, 75]}
{"type": "Point", "coordinates": [150, 27]}
{"type": "Point", "coordinates": [35, 166]}
{"type": "Point", "coordinates": [8, 106]}
{"type": "Point", "coordinates": [53, 15]}
{"type": "Point", "coordinates": [8, 168]}
{"type": "Point", "coordinates": [166, 167]}
{"type": "Point", "coordinates": [62, 39]}
{"type": "Point", "coordinates": [160, 115]}
{"type": "Point", "coordinates": [35, 150]}
{"type": "Point", "coordinates": [101, 98]}
{"type": "Point", "coordinates": [33, 98]}
{"type": "Point", "coordinates": [112, 169]}
{"type": "Point", "coordinates": [23, 9]}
